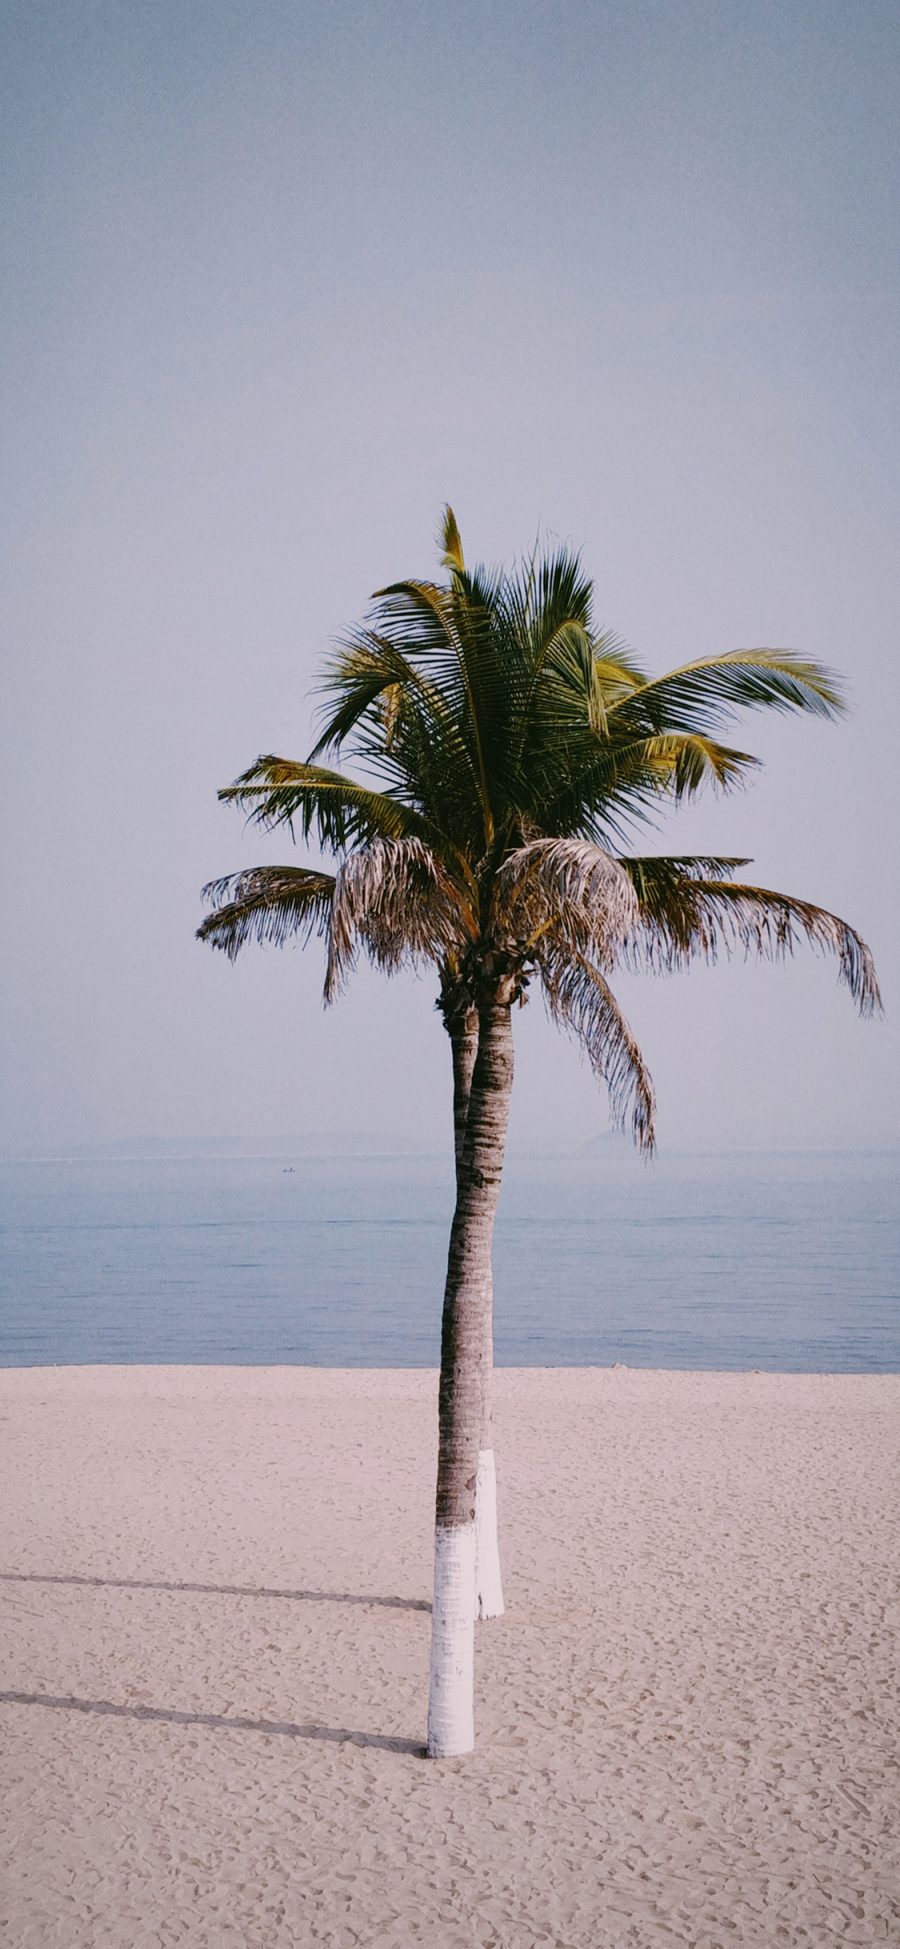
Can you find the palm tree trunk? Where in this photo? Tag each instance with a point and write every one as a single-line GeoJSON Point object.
{"type": "Point", "coordinates": [461, 1402]}
{"type": "Point", "coordinates": [463, 1031]}
{"type": "Point", "coordinates": [488, 1580]}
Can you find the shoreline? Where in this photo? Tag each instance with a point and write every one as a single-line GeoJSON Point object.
{"type": "Point", "coordinates": [216, 1586]}
{"type": "Point", "coordinates": [425, 1367]}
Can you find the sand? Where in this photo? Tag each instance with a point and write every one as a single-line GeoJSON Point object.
{"type": "Point", "coordinates": [215, 1586]}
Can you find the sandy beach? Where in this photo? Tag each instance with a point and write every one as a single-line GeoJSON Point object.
{"type": "Point", "coordinates": [215, 1590]}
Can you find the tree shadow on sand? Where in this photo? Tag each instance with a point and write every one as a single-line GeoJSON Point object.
{"type": "Point", "coordinates": [220, 1590]}
{"type": "Point", "coordinates": [336, 1735]}
{"type": "Point", "coordinates": [219, 1722]}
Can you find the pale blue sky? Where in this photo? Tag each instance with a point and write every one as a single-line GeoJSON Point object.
{"type": "Point", "coordinates": [282, 278]}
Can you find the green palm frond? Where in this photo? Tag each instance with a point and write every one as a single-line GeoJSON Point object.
{"type": "Point", "coordinates": [367, 665]}
{"type": "Point", "coordinates": [685, 762]}
{"type": "Point", "coordinates": [541, 597]}
{"type": "Point", "coordinates": [268, 904]}
{"type": "Point", "coordinates": [404, 731]}
{"type": "Point", "coordinates": [686, 916]}
{"type": "Point", "coordinates": [573, 675]}
{"type": "Point", "coordinates": [449, 634]}
{"type": "Point", "coordinates": [614, 782]}
{"type": "Point", "coordinates": [566, 691]}
{"type": "Point", "coordinates": [278, 791]}
{"type": "Point", "coordinates": [581, 1001]}
{"type": "Point", "coordinates": [669, 870]}
{"type": "Point", "coordinates": [702, 695]}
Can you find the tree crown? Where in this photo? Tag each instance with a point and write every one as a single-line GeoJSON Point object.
{"type": "Point", "coordinates": [509, 748]}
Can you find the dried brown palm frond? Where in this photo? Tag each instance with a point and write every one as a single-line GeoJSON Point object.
{"type": "Point", "coordinates": [571, 885]}
{"type": "Point", "coordinates": [396, 900]}
{"type": "Point", "coordinates": [266, 904]}
{"type": "Point", "coordinates": [580, 1000]}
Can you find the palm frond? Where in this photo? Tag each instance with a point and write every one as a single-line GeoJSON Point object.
{"type": "Point", "coordinates": [701, 695]}
{"type": "Point", "coordinates": [404, 731]}
{"type": "Point", "coordinates": [278, 791]}
{"type": "Point", "coordinates": [663, 870]}
{"type": "Point", "coordinates": [452, 557]}
{"type": "Point", "coordinates": [604, 785]}
{"type": "Point", "coordinates": [581, 1001]}
{"type": "Point", "coordinates": [367, 665]}
{"type": "Point", "coordinates": [268, 904]}
{"type": "Point", "coordinates": [683, 762]}
{"type": "Point", "coordinates": [541, 595]}
{"type": "Point", "coordinates": [686, 916]}
{"type": "Point", "coordinates": [396, 901]}
{"type": "Point", "coordinates": [450, 631]}
{"type": "Point", "coordinates": [572, 885]}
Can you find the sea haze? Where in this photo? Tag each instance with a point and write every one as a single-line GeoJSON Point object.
{"type": "Point", "coordinates": [785, 1262]}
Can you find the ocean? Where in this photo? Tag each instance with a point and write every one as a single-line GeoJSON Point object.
{"type": "Point", "coordinates": [786, 1262]}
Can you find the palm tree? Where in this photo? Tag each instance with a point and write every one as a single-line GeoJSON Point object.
{"type": "Point", "coordinates": [507, 749]}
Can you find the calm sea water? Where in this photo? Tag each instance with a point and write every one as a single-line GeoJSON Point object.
{"type": "Point", "coordinates": [786, 1262]}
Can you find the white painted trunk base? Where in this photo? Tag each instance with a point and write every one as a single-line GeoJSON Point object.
{"type": "Point", "coordinates": [451, 1716]}
{"type": "Point", "coordinates": [488, 1582]}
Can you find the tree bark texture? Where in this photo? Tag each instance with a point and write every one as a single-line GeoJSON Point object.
{"type": "Point", "coordinates": [488, 1579]}
{"type": "Point", "coordinates": [462, 1384]}
{"type": "Point", "coordinates": [463, 1035]}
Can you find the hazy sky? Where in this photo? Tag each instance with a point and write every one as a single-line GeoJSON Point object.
{"type": "Point", "coordinates": [281, 278]}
